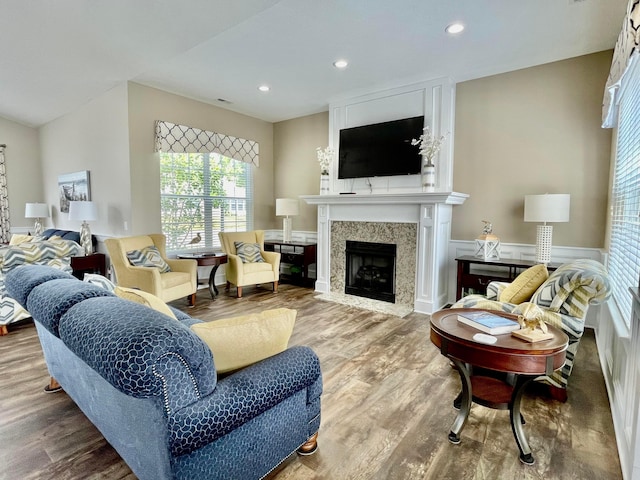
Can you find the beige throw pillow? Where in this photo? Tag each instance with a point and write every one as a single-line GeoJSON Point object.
{"type": "Point", "coordinates": [18, 238]}
{"type": "Point", "coordinates": [525, 285]}
{"type": "Point", "coordinates": [241, 341]}
{"type": "Point", "coordinates": [144, 298]}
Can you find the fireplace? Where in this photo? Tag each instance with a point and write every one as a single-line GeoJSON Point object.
{"type": "Point", "coordinates": [370, 270]}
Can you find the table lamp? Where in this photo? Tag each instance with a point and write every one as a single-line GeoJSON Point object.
{"type": "Point", "coordinates": [37, 211]}
{"type": "Point", "coordinates": [84, 212]}
{"type": "Point", "coordinates": [286, 207]}
{"type": "Point", "coordinates": [546, 208]}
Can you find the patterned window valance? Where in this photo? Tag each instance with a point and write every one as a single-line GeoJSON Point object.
{"type": "Point", "coordinates": [171, 137]}
{"type": "Point", "coordinates": [624, 54]}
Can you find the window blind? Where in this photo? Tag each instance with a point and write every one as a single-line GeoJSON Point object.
{"type": "Point", "coordinates": [624, 251]}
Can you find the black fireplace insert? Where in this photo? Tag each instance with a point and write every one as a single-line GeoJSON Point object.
{"type": "Point", "coordinates": [371, 270]}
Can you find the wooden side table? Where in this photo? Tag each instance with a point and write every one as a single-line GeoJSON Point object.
{"type": "Point", "coordinates": [206, 260]}
{"type": "Point", "coordinates": [502, 369]}
{"type": "Point", "coordinates": [94, 263]}
{"type": "Point", "coordinates": [302, 255]}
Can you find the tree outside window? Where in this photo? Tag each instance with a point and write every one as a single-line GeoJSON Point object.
{"type": "Point", "coordinates": [202, 194]}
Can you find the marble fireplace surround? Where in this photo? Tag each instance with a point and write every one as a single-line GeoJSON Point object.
{"type": "Point", "coordinates": [428, 213]}
{"type": "Point", "coordinates": [403, 235]}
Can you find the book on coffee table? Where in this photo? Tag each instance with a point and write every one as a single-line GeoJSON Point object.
{"type": "Point", "coordinates": [488, 322]}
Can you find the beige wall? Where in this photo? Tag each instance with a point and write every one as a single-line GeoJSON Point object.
{"type": "Point", "coordinates": [532, 131]}
{"type": "Point", "coordinates": [22, 162]}
{"type": "Point", "coordinates": [297, 171]}
{"type": "Point", "coordinates": [146, 105]}
{"type": "Point", "coordinates": [95, 138]}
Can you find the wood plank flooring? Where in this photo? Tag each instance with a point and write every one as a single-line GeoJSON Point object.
{"type": "Point", "coordinates": [386, 407]}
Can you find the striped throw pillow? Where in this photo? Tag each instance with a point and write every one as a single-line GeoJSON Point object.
{"type": "Point", "coordinates": [248, 252]}
{"type": "Point", "coordinates": [148, 257]}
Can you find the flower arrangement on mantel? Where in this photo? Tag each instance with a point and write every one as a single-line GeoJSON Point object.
{"type": "Point", "coordinates": [325, 157]}
{"type": "Point", "coordinates": [429, 145]}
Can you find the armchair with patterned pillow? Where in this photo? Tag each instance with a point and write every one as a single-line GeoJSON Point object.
{"type": "Point", "coordinates": [564, 298]}
{"type": "Point", "coordinates": [248, 263]}
{"type": "Point", "coordinates": [141, 262]}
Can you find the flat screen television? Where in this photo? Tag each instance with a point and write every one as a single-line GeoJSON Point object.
{"type": "Point", "coordinates": [381, 149]}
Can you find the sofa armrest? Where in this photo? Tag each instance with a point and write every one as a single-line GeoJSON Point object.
{"type": "Point", "coordinates": [247, 394]}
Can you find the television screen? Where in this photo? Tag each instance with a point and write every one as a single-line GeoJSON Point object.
{"type": "Point", "coordinates": [381, 149]}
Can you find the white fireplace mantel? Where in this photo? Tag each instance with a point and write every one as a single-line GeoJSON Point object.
{"type": "Point", "coordinates": [430, 211]}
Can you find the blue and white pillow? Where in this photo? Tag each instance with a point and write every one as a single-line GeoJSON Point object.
{"type": "Point", "coordinates": [148, 257]}
{"type": "Point", "coordinates": [248, 252]}
{"type": "Point", "coordinates": [100, 281]}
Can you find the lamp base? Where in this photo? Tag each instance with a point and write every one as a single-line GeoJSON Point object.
{"type": "Point", "coordinates": [85, 238]}
{"type": "Point", "coordinates": [543, 243]}
{"type": "Point", "coordinates": [286, 229]}
{"type": "Point", "coordinates": [37, 227]}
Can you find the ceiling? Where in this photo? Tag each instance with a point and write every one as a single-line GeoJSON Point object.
{"type": "Point", "coordinates": [58, 55]}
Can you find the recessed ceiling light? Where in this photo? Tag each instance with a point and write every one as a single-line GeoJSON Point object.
{"type": "Point", "coordinates": [264, 88]}
{"type": "Point", "coordinates": [340, 63]}
{"type": "Point", "coordinates": [454, 28]}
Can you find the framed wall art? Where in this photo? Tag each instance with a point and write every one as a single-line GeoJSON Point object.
{"type": "Point", "coordinates": [73, 187]}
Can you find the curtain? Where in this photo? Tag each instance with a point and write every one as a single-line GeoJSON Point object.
{"type": "Point", "coordinates": [171, 137]}
{"type": "Point", "coordinates": [625, 53]}
{"type": "Point", "coordinates": [5, 224]}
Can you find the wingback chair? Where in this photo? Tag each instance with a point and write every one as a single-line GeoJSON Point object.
{"type": "Point", "coordinates": [241, 273]}
{"type": "Point", "coordinates": [180, 281]}
{"type": "Point", "coordinates": [564, 298]}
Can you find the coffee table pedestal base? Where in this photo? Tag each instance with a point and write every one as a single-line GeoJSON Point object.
{"type": "Point", "coordinates": [497, 394]}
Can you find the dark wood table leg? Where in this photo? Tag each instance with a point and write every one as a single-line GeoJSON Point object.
{"type": "Point", "coordinates": [517, 420]}
{"type": "Point", "coordinates": [213, 290]}
{"type": "Point", "coordinates": [465, 402]}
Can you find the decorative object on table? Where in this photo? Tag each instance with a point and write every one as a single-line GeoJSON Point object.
{"type": "Point", "coordinates": [195, 240]}
{"type": "Point", "coordinates": [546, 208]}
{"type": "Point", "coordinates": [487, 245]}
{"type": "Point", "coordinates": [325, 157]}
{"type": "Point", "coordinates": [73, 187]}
{"type": "Point", "coordinates": [488, 322]}
{"type": "Point", "coordinates": [429, 146]}
{"type": "Point", "coordinates": [37, 211]}
{"type": "Point", "coordinates": [84, 212]}
{"type": "Point", "coordinates": [287, 207]}
{"type": "Point", "coordinates": [533, 329]}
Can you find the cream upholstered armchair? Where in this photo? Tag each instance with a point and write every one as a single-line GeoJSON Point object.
{"type": "Point", "coordinates": [141, 262]}
{"type": "Point", "coordinates": [244, 267]}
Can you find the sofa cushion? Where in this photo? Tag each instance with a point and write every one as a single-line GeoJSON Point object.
{"type": "Point", "coordinates": [22, 280]}
{"type": "Point", "coordinates": [148, 257]}
{"type": "Point", "coordinates": [240, 341]}
{"type": "Point", "coordinates": [525, 284]}
{"type": "Point", "coordinates": [144, 298]}
{"type": "Point", "coordinates": [248, 252]}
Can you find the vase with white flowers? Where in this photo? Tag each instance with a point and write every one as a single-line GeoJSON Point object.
{"type": "Point", "coordinates": [325, 157]}
{"type": "Point", "coordinates": [429, 146]}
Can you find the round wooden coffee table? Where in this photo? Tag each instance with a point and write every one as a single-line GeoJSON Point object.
{"type": "Point", "coordinates": [494, 375]}
{"type": "Point", "coordinates": [205, 260]}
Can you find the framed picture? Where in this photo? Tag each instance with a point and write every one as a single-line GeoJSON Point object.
{"type": "Point", "coordinates": [73, 187]}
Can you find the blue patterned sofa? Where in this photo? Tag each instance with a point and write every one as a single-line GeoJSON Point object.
{"type": "Point", "coordinates": [149, 384]}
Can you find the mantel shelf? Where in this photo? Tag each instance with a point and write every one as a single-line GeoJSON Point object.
{"type": "Point", "coordinates": [451, 198]}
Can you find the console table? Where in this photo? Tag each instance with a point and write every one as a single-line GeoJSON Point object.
{"type": "Point", "coordinates": [477, 279]}
{"type": "Point", "coordinates": [302, 255]}
{"type": "Point", "coordinates": [494, 375]}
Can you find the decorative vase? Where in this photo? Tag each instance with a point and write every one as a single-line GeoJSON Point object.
{"type": "Point", "coordinates": [428, 178]}
{"type": "Point", "coordinates": [324, 184]}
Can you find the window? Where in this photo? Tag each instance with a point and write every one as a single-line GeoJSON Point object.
{"type": "Point", "coordinates": [202, 194]}
{"type": "Point", "coordinates": [624, 251]}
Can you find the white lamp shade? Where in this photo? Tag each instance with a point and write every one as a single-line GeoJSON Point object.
{"type": "Point", "coordinates": [36, 210]}
{"type": "Point", "coordinates": [547, 207]}
{"type": "Point", "coordinates": [287, 207]}
{"type": "Point", "coordinates": [83, 211]}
